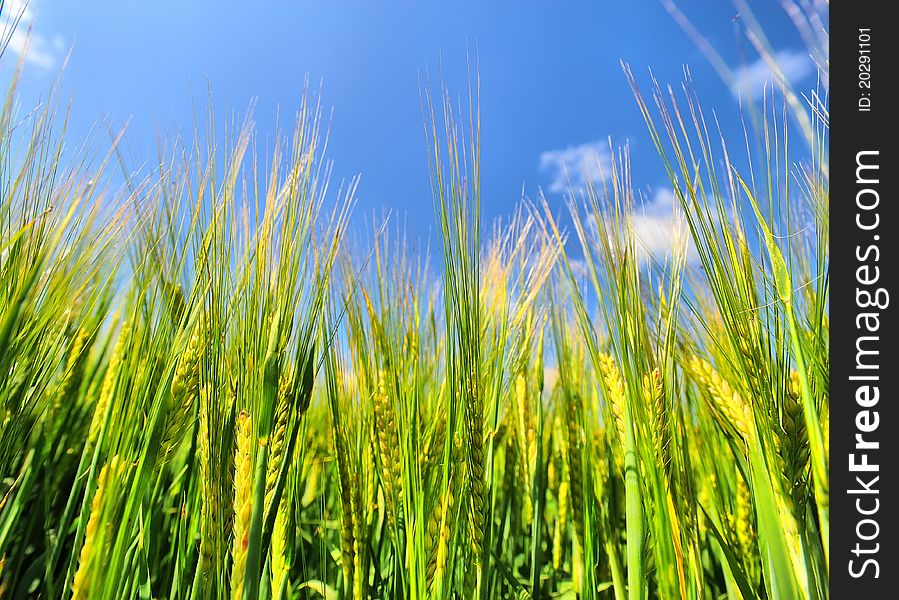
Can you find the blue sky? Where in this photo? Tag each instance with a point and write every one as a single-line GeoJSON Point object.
{"type": "Point", "coordinates": [552, 89]}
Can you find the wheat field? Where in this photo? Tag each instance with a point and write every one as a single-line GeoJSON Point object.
{"type": "Point", "coordinates": [219, 383]}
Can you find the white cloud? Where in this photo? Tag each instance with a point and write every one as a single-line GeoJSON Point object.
{"type": "Point", "coordinates": [37, 49]}
{"type": "Point", "coordinates": [576, 166]}
{"type": "Point", "coordinates": [749, 80]}
{"type": "Point", "coordinates": [660, 229]}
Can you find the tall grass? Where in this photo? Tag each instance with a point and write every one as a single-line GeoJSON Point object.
{"type": "Point", "coordinates": [211, 389]}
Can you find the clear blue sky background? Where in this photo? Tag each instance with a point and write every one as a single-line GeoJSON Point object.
{"type": "Point", "coordinates": [550, 75]}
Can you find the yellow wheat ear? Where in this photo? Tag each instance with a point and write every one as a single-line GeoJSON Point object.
{"type": "Point", "coordinates": [278, 438]}
{"type": "Point", "coordinates": [726, 401]}
{"type": "Point", "coordinates": [184, 391]}
{"type": "Point", "coordinates": [613, 384]}
{"type": "Point", "coordinates": [243, 501]}
{"type": "Point", "coordinates": [388, 447]}
{"type": "Point", "coordinates": [91, 551]}
{"type": "Point", "coordinates": [110, 382]}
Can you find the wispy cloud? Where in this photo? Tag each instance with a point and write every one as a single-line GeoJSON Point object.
{"type": "Point", "coordinates": [576, 166]}
{"type": "Point", "coordinates": [25, 41]}
{"type": "Point", "coordinates": [749, 80]}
